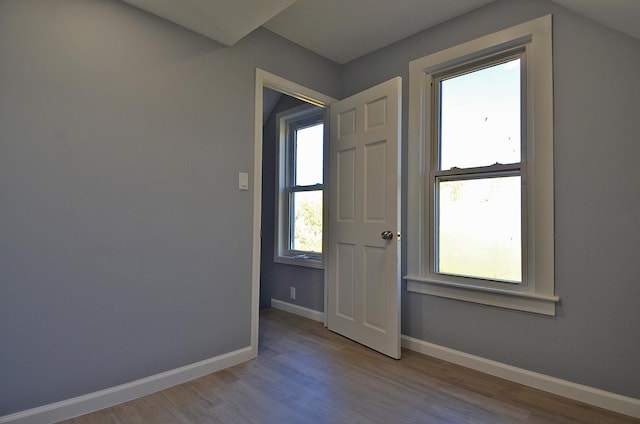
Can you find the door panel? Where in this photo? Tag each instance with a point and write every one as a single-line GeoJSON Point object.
{"type": "Point", "coordinates": [345, 280]}
{"type": "Point", "coordinates": [375, 182]}
{"type": "Point", "coordinates": [345, 183]}
{"type": "Point", "coordinates": [374, 287]}
{"type": "Point", "coordinates": [363, 269]}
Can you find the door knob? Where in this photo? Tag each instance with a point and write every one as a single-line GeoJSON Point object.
{"type": "Point", "coordinates": [387, 235]}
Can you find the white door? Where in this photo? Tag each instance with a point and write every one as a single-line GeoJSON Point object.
{"type": "Point", "coordinates": [363, 266]}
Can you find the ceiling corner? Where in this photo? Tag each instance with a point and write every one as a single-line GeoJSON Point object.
{"type": "Point", "coordinates": [225, 21]}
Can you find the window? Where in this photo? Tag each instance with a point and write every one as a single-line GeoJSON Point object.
{"type": "Point", "coordinates": [481, 171]}
{"type": "Point", "coordinates": [476, 174]}
{"type": "Point", "coordinates": [299, 238]}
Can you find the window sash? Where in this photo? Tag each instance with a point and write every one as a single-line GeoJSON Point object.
{"type": "Point", "coordinates": [292, 251]}
{"type": "Point", "coordinates": [291, 141]}
{"type": "Point", "coordinates": [474, 175]}
{"type": "Point", "coordinates": [291, 187]}
{"type": "Point", "coordinates": [289, 123]}
{"type": "Point", "coordinates": [437, 174]}
{"type": "Point", "coordinates": [468, 68]}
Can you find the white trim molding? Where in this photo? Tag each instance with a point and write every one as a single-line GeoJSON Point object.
{"type": "Point", "coordinates": [592, 396]}
{"type": "Point", "coordinates": [521, 301]}
{"type": "Point", "coordinates": [532, 43]}
{"type": "Point", "coordinates": [266, 79]}
{"type": "Point", "coordinates": [106, 398]}
{"type": "Point", "coordinates": [298, 310]}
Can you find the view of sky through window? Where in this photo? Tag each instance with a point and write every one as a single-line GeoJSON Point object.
{"type": "Point", "coordinates": [480, 117]}
{"type": "Point", "coordinates": [309, 149]}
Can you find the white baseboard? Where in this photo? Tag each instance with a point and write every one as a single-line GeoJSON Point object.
{"type": "Point", "coordinates": [115, 395]}
{"type": "Point", "coordinates": [298, 310]}
{"type": "Point", "coordinates": [596, 397]}
{"type": "Point", "coordinates": [119, 394]}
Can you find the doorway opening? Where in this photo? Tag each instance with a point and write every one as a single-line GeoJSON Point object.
{"type": "Point", "coordinates": [291, 268]}
{"type": "Point", "coordinates": [361, 287]}
{"type": "Point", "coordinates": [299, 289]}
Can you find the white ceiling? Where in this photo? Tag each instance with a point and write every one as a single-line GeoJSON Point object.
{"type": "Point", "coordinates": [342, 30]}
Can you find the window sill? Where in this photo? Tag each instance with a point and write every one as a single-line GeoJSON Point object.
{"type": "Point", "coordinates": [300, 261]}
{"type": "Point", "coordinates": [522, 301]}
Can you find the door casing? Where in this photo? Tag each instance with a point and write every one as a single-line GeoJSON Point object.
{"type": "Point", "coordinates": [266, 79]}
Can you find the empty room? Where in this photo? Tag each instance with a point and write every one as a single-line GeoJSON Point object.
{"type": "Point", "coordinates": [336, 211]}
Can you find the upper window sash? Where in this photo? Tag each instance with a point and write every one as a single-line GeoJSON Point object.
{"type": "Point", "coordinates": [292, 129]}
{"type": "Point", "coordinates": [436, 79]}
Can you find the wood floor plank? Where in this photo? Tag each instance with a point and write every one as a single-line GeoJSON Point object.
{"type": "Point", "coordinates": [307, 374]}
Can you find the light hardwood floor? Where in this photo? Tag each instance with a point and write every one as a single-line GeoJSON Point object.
{"type": "Point", "coordinates": [307, 374]}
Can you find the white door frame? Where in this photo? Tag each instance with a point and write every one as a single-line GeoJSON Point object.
{"type": "Point", "coordinates": [268, 80]}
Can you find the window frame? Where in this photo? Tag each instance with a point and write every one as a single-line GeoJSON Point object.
{"type": "Point", "coordinates": [535, 293]}
{"type": "Point", "coordinates": [287, 122]}
{"type": "Point", "coordinates": [437, 174]}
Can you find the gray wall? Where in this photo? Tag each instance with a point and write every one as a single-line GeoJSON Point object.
{"type": "Point", "coordinates": [594, 339]}
{"type": "Point", "coordinates": [276, 278]}
{"type": "Point", "coordinates": [125, 245]}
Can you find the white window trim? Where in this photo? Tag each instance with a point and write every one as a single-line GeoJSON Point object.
{"type": "Point", "coordinates": [537, 295]}
{"type": "Point", "coordinates": [282, 253]}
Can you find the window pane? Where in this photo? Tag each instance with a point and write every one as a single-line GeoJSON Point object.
{"type": "Point", "coordinates": [308, 150]}
{"type": "Point", "coordinates": [480, 117]}
{"type": "Point", "coordinates": [307, 224]}
{"type": "Point", "coordinates": [478, 230]}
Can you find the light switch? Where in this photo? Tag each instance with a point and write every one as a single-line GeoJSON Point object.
{"type": "Point", "coordinates": [243, 181]}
